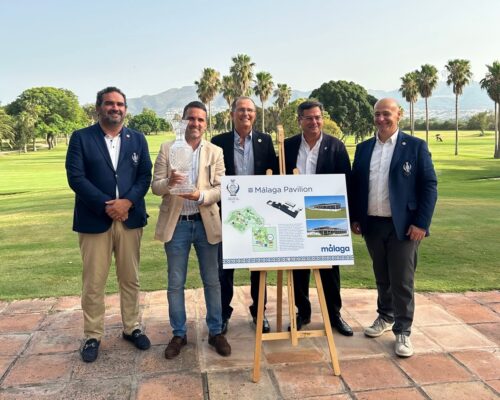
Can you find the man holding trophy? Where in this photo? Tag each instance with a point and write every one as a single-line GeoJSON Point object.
{"type": "Point", "coordinates": [187, 174]}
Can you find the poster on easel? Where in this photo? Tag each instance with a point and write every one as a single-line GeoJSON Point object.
{"type": "Point", "coordinates": [285, 221]}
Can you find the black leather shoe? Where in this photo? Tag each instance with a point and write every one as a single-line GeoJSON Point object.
{"type": "Point", "coordinates": [341, 326]}
{"type": "Point", "coordinates": [225, 325]}
{"type": "Point", "coordinates": [266, 328]}
{"type": "Point", "coordinates": [139, 339]}
{"type": "Point", "coordinates": [301, 321]}
{"type": "Point", "coordinates": [90, 350]}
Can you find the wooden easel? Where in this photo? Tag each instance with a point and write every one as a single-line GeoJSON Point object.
{"type": "Point", "coordinates": [293, 335]}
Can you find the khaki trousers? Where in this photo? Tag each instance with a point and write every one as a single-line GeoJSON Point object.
{"type": "Point", "coordinates": [96, 250]}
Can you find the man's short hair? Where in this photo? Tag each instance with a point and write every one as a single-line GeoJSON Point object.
{"type": "Point", "coordinates": [233, 105]}
{"type": "Point", "coordinates": [109, 89]}
{"type": "Point", "coordinates": [307, 105]}
{"type": "Point", "coordinates": [194, 104]}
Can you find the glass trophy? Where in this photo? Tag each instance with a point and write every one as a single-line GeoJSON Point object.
{"type": "Point", "coordinates": [181, 158]}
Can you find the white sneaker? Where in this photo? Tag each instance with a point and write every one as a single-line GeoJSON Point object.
{"type": "Point", "coordinates": [378, 327]}
{"type": "Point", "coordinates": [403, 347]}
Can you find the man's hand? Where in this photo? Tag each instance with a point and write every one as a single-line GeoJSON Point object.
{"type": "Point", "coordinates": [356, 228]}
{"type": "Point", "coordinates": [118, 209]}
{"type": "Point", "coordinates": [195, 196]}
{"type": "Point", "coordinates": [176, 178]}
{"type": "Point", "coordinates": [415, 233]}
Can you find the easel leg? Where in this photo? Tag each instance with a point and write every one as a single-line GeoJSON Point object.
{"type": "Point", "coordinates": [291, 307]}
{"type": "Point", "coordinates": [279, 301]}
{"type": "Point", "coordinates": [326, 320]}
{"type": "Point", "coordinates": [258, 328]}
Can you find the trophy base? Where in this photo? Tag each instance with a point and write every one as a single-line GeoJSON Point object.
{"type": "Point", "coordinates": [182, 189]}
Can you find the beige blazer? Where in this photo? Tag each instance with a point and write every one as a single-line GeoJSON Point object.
{"type": "Point", "coordinates": [211, 168]}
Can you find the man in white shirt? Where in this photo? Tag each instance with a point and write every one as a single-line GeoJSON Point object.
{"type": "Point", "coordinates": [393, 193]}
{"type": "Point", "coordinates": [315, 152]}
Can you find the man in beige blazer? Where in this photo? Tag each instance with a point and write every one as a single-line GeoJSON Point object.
{"type": "Point", "coordinates": [192, 219]}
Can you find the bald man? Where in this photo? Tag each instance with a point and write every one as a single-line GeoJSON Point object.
{"type": "Point", "coordinates": [393, 193]}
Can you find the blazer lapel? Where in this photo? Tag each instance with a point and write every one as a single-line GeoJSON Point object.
{"type": "Point", "coordinates": [98, 136]}
{"type": "Point", "coordinates": [399, 150]}
{"type": "Point", "coordinates": [324, 148]}
{"type": "Point", "coordinates": [124, 145]}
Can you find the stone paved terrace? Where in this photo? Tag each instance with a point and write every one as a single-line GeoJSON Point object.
{"type": "Point", "coordinates": [456, 339]}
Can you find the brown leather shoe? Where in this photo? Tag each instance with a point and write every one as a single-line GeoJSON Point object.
{"type": "Point", "coordinates": [174, 347]}
{"type": "Point", "coordinates": [220, 343]}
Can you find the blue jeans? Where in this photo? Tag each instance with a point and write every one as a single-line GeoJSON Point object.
{"type": "Point", "coordinates": [185, 234]}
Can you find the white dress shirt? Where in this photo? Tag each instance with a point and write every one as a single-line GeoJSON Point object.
{"type": "Point", "coordinates": [190, 207]}
{"type": "Point", "coordinates": [307, 159]}
{"type": "Point", "coordinates": [379, 204]}
{"type": "Point", "coordinates": [113, 144]}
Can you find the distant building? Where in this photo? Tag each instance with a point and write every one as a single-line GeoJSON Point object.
{"type": "Point", "coordinates": [329, 231]}
{"type": "Point", "coordinates": [327, 206]}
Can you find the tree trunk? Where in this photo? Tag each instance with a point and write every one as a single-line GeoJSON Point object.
{"type": "Point", "coordinates": [263, 124]}
{"type": "Point", "coordinates": [497, 130]}
{"type": "Point", "coordinates": [412, 118]}
{"type": "Point", "coordinates": [456, 124]}
{"type": "Point", "coordinates": [209, 119]}
{"type": "Point", "coordinates": [426, 122]}
{"type": "Point", "coordinates": [34, 144]}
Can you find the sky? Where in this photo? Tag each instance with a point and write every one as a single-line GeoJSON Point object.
{"type": "Point", "coordinates": [149, 46]}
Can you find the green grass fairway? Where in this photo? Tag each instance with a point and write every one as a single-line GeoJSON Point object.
{"type": "Point", "coordinates": [40, 257]}
{"type": "Point", "coordinates": [321, 214]}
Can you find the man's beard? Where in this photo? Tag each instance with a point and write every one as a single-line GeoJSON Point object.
{"type": "Point", "coordinates": [109, 120]}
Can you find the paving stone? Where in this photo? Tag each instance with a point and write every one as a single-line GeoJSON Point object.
{"type": "Point", "coordinates": [242, 355]}
{"type": "Point", "coordinates": [5, 363]}
{"type": "Point", "coordinates": [391, 394]}
{"type": "Point", "coordinates": [63, 320]}
{"type": "Point", "coordinates": [320, 380]}
{"type": "Point", "coordinates": [37, 369]}
{"type": "Point", "coordinates": [421, 343]}
{"type": "Point", "coordinates": [20, 323]}
{"type": "Point", "coordinates": [495, 385]}
{"type": "Point", "coordinates": [432, 315]}
{"type": "Point", "coordinates": [372, 373]}
{"type": "Point", "coordinates": [434, 368]}
{"type": "Point", "coordinates": [153, 360]}
{"type": "Point", "coordinates": [485, 297]}
{"type": "Point", "coordinates": [109, 364]}
{"type": "Point", "coordinates": [56, 341]}
{"type": "Point", "coordinates": [457, 337]}
{"type": "Point", "coordinates": [450, 299]}
{"type": "Point", "coordinates": [485, 364]}
{"type": "Point", "coordinates": [185, 386]}
{"type": "Point", "coordinates": [223, 385]}
{"type": "Point", "coordinates": [13, 344]}
{"type": "Point", "coordinates": [491, 331]}
{"type": "Point", "coordinates": [159, 333]}
{"type": "Point", "coordinates": [460, 391]}
{"type": "Point", "coordinates": [155, 314]}
{"type": "Point", "coordinates": [351, 347]}
{"type": "Point", "coordinates": [68, 303]}
{"type": "Point", "coordinates": [157, 298]}
{"type": "Point", "coordinates": [474, 313]}
{"type": "Point", "coordinates": [495, 307]}
{"type": "Point", "coordinates": [99, 389]}
{"type": "Point", "coordinates": [282, 351]}
{"type": "Point", "coordinates": [45, 392]}
{"type": "Point", "coordinates": [30, 306]}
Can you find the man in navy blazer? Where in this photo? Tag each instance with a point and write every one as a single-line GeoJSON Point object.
{"type": "Point", "coordinates": [109, 168]}
{"type": "Point", "coordinates": [246, 152]}
{"type": "Point", "coordinates": [393, 193]}
{"type": "Point", "coordinates": [315, 152]}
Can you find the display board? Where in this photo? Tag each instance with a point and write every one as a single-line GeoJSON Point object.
{"type": "Point", "coordinates": [285, 221]}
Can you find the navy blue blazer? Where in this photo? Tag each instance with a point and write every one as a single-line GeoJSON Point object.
{"type": "Point", "coordinates": [92, 177]}
{"type": "Point", "coordinates": [412, 184]}
{"type": "Point", "coordinates": [332, 158]}
{"type": "Point", "coordinates": [264, 155]}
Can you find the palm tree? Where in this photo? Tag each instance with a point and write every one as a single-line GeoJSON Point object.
{"type": "Point", "coordinates": [242, 74]}
{"type": "Point", "coordinates": [459, 75]}
{"type": "Point", "coordinates": [409, 90]}
{"type": "Point", "coordinates": [283, 93]}
{"type": "Point", "coordinates": [263, 88]}
{"type": "Point", "coordinates": [208, 87]}
{"type": "Point", "coordinates": [427, 79]}
{"type": "Point", "coordinates": [491, 83]}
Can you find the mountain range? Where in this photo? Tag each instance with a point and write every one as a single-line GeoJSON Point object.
{"type": "Point", "coordinates": [441, 103]}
